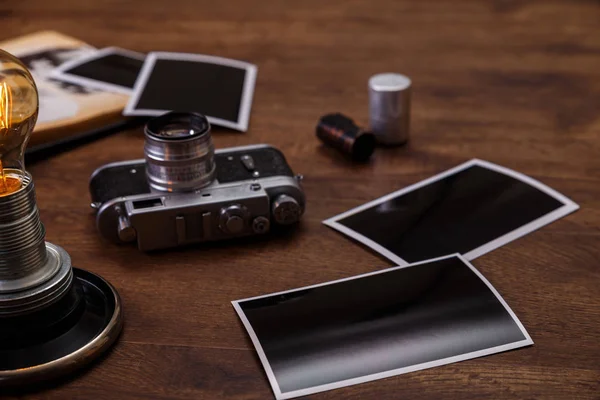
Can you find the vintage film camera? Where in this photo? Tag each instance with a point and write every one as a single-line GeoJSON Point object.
{"type": "Point", "coordinates": [186, 192]}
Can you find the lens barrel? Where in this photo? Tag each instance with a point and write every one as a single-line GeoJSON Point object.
{"type": "Point", "coordinates": [179, 152]}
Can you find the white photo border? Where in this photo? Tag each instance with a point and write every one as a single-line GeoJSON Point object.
{"type": "Point", "coordinates": [399, 371]}
{"type": "Point", "coordinates": [568, 207]}
{"type": "Point", "coordinates": [61, 72]}
{"type": "Point", "coordinates": [247, 91]}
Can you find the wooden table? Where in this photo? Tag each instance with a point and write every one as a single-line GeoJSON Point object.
{"type": "Point", "coordinates": [512, 82]}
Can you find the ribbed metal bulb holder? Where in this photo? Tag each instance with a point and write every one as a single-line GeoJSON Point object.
{"type": "Point", "coordinates": [22, 247]}
{"type": "Point", "coordinates": [33, 273]}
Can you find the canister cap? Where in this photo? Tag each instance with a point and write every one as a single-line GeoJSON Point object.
{"type": "Point", "coordinates": [389, 82]}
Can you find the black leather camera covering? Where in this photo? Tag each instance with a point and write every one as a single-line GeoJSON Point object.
{"type": "Point", "coordinates": [119, 181]}
{"type": "Point", "coordinates": [267, 161]}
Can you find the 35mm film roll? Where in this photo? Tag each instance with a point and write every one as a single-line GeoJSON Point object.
{"type": "Point", "coordinates": [340, 132]}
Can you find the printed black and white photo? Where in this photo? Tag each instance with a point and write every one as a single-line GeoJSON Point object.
{"type": "Point", "coordinates": [471, 209]}
{"type": "Point", "coordinates": [111, 69]}
{"type": "Point", "coordinates": [377, 325]}
{"type": "Point", "coordinates": [219, 88]}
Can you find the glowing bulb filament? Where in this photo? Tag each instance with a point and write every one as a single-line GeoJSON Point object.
{"type": "Point", "coordinates": [3, 188]}
{"type": "Point", "coordinates": [6, 185]}
{"type": "Point", "coordinates": [5, 108]}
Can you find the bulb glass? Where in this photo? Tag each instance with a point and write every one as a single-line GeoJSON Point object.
{"type": "Point", "coordinates": [18, 114]}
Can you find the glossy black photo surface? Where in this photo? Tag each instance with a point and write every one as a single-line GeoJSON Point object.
{"type": "Point", "coordinates": [386, 323]}
{"type": "Point", "coordinates": [471, 210]}
{"type": "Point", "coordinates": [213, 89]}
{"type": "Point", "coordinates": [116, 69]}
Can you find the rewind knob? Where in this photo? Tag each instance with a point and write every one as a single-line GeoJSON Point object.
{"type": "Point", "coordinates": [286, 210]}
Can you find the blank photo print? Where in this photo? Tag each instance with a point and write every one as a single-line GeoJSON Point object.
{"type": "Point", "coordinates": [219, 88]}
{"type": "Point", "coordinates": [378, 325]}
{"type": "Point", "coordinates": [110, 69]}
{"type": "Point", "coordinates": [471, 209]}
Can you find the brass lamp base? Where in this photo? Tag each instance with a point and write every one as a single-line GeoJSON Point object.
{"type": "Point", "coordinates": [63, 337]}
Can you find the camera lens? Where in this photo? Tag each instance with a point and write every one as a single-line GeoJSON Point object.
{"type": "Point", "coordinates": [179, 152]}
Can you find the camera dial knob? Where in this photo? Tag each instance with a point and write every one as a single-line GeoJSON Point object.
{"type": "Point", "coordinates": [232, 219]}
{"type": "Point", "coordinates": [261, 225]}
{"type": "Point", "coordinates": [126, 232]}
{"type": "Point", "coordinates": [286, 210]}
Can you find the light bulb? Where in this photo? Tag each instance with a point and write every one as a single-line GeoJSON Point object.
{"type": "Point", "coordinates": [53, 317]}
{"type": "Point", "coordinates": [18, 114]}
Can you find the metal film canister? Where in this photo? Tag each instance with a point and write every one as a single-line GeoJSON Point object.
{"type": "Point", "coordinates": [389, 108]}
{"type": "Point", "coordinates": [340, 132]}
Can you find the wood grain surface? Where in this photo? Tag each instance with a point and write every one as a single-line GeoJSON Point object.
{"type": "Point", "coordinates": [513, 82]}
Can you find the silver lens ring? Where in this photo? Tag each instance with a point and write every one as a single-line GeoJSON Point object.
{"type": "Point", "coordinates": [179, 152]}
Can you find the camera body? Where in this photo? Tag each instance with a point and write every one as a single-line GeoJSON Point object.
{"type": "Point", "coordinates": [253, 189]}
